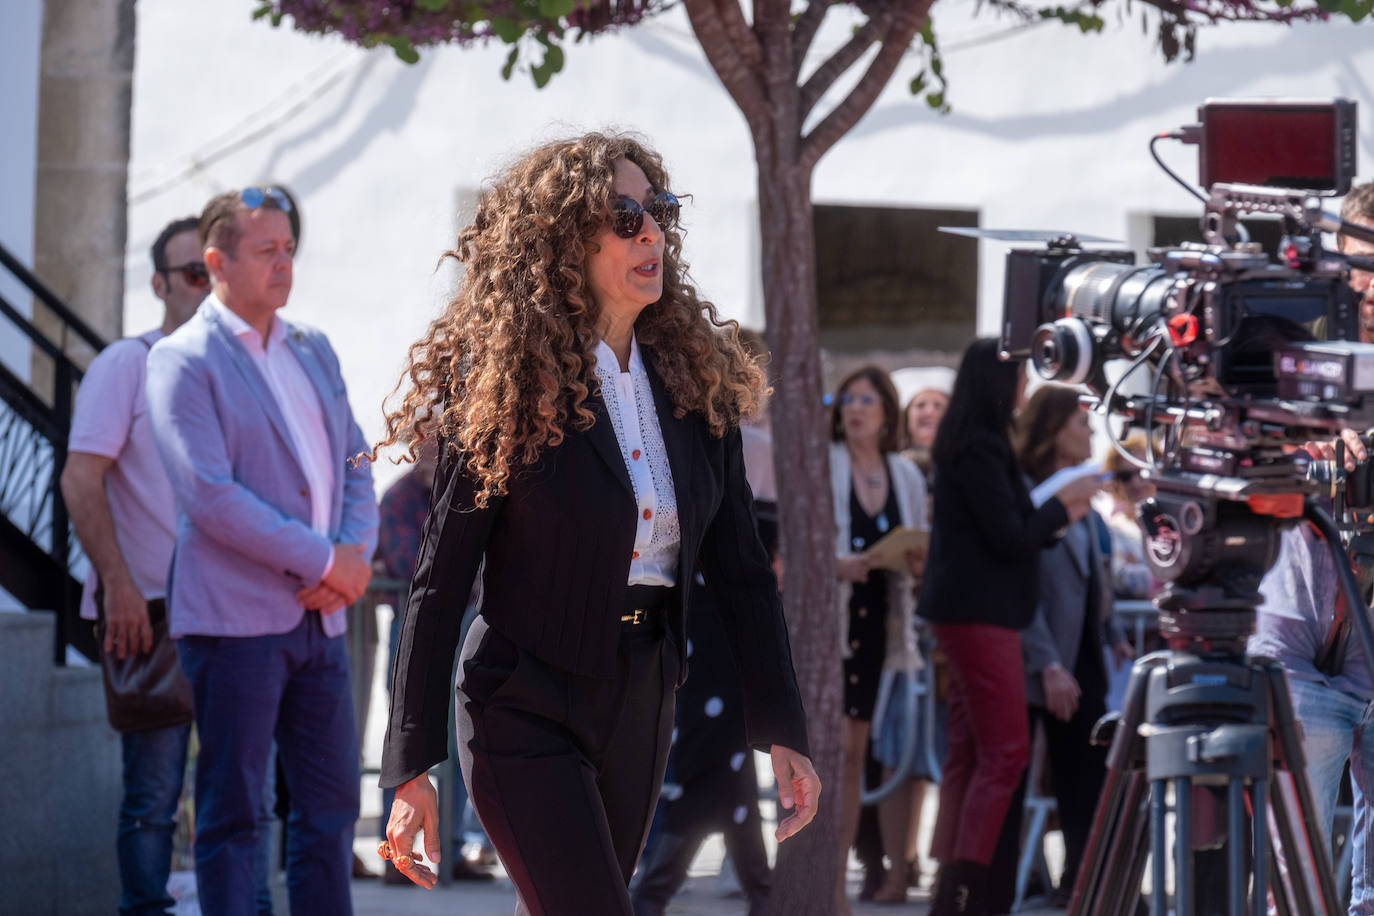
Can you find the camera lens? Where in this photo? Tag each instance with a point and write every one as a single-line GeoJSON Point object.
{"type": "Point", "coordinates": [1063, 351]}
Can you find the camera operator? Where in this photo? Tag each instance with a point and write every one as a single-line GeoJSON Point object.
{"type": "Point", "coordinates": [1358, 207]}
{"type": "Point", "coordinates": [1299, 625]}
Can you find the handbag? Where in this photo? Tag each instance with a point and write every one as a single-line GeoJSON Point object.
{"type": "Point", "coordinates": [145, 691]}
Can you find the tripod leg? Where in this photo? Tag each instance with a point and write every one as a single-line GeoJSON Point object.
{"type": "Point", "coordinates": [1159, 813]}
{"type": "Point", "coordinates": [1301, 866]}
{"type": "Point", "coordinates": [1183, 847]}
{"type": "Point", "coordinates": [1117, 827]}
{"type": "Point", "coordinates": [1259, 829]}
{"type": "Point", "coordinates": [1119, 892]}
{"type": "Point", "coordinates": [1235, 815]}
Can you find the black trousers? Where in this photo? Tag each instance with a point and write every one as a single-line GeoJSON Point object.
{"type": "Point", "coordinates": [1077, 771]}
{"type": "Point", "coordinates": [564, 771]}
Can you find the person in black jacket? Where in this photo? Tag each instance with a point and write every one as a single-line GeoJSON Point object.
{"type": "Point", "coordinates": [589, 408]}
{"type": "Point", "coordinates": [979, 592]}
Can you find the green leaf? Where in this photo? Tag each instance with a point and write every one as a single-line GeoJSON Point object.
{"type": "Point", "coordinates": [556, 9]}
{"type": "Point", "coordinates": [404, 49]}
{"type": "Point", "coordinates": [551, 64]}
{"type": "Point", "coordinates": [508, 30]}
{"type": "Point", "coordinates": [918, 83]}
{"type": "Point", "coordinates": [434, 6]}
{"type": "Point", "coordinates": [936, 100]}
{"type": "Point", "coordinates": [275, 19]}
{"type": "Point", "coordinates": [1356, 9]}
{"type": "Point", "coordinates": [509, 67]}
{"type": "Point", "coordinates": [263, 10]}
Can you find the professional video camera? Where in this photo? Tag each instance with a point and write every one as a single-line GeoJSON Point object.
{"type": "Point", "coordinates": [1234, 358]}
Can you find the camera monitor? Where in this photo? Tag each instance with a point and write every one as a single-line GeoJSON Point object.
{"type": "Point", "coordinates": [1299, 146]}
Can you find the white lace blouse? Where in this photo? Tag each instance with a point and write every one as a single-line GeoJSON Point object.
{"type": "Point", "coordinates": [630, 404]}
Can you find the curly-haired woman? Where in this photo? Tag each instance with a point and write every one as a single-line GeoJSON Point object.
{"type": "Point", "coordinates": [589, 407]}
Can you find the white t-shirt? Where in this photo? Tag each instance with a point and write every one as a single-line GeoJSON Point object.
{"type": "Point", "coordinates": [111, 420]}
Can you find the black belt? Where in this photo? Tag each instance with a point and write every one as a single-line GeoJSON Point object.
{"type": "Point", "coordinates": [646, 606]}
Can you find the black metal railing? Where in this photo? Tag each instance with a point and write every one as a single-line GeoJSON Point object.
{"type": "Point", "coordinates": [39, 553]}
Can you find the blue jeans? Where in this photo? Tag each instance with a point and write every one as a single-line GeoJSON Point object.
{"type": "Point", "coordinates": [293, 687]}
{"type": "Point", "coordinates": [154, 762]}
{"type": "Point", "coordinates": [1337, 726]}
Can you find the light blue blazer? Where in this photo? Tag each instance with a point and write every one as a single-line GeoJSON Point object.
{"type": "Point", "coordinates": [244, 544]}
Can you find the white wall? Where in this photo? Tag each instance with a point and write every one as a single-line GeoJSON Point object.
{"type": "Point", "coordinates": [1049, 129]}
{"type": "Point", "coordinates": [21, 32]}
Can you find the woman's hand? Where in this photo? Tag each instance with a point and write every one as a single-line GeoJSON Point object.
{"type": "Point", "coordinates": [416, 808]}
{"type": "Point", "coordinates": [799, 788]}
{"type": "Point", "coordinates": [852, 567]}
{"type": "Point", "coordinates": [1076, 495]}
{"type": "Point", "coordinates": [1061, 691]}
{"type": "Point", "coordinates": [916, 563]}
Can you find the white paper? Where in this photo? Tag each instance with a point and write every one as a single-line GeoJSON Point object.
{"type": "Point", "coordinates": [1056, 481]}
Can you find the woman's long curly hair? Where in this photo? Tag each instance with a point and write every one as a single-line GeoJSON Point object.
{"type": "Point", "coordinates": [508, 366]}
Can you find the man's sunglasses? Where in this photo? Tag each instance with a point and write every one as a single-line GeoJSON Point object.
{"type": "Point", "coordinates": [193, 273]}
{"type": "Point", "coordinates": [627, 216]}
{"type": "Point", "coordinates": [255, 197]}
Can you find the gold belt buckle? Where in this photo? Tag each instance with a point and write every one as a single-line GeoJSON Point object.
{"type": "Point", "coordinates": [634, 619]}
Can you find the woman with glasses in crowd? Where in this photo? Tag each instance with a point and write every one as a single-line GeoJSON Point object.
{"type": "Point", "coordinates": [875, 491]}
{"type": "Point", "coordinates": [979, 593]}
{"type": "Point", "coordinates": [588, 406]}
{"type": "Point", "coordinates": [1131, 575]}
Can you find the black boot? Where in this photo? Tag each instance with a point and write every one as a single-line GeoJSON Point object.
{"type": "Point", "coordinates": [662, 873]}
{"type": "Point", "coordinates": [961, 889]}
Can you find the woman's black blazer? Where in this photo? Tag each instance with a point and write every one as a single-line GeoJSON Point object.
{"type": "Point", "coordinates": [985, 539]}
{"type": "Point", "coordinates": [558, 546]}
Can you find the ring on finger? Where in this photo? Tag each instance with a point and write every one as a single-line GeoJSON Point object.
{"type": "Point", "coordinates": [384, 849]}
{"type": "Point", "coordinates": [403, 862]}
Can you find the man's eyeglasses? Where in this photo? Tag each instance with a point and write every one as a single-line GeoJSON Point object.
{"type": "Point", "coordinates": [255, 197]}
{"type": "Point", "coordinates": [192, 272]}
{"type": "Point", "coordinates": [627, 216]}
{"type": "Point", "coordinates": [1125, 477]}
{"type": "Point", "coordinates": [863, 400]}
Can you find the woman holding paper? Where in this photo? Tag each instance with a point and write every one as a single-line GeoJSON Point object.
{"type": "Point", "coordinates": [877, 494]}
{"type": "Point", "coordinates": [979, 593]}
{"type": "Point", "coordinates": [1062, 649]}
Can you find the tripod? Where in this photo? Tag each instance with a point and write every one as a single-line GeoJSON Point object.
{"type": "Point", "coordinates": [1201, 720]}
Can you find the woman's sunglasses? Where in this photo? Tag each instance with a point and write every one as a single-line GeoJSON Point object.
{"type": "Point", "coordinates": [627, 216]}
{"type": "Point", "coordinates": [192, 272]}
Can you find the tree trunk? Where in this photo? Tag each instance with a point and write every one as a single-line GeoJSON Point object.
{"type": "Point", "coordinates": [810, 864]}
{"type": "Point", "coordinates": [80, 205]}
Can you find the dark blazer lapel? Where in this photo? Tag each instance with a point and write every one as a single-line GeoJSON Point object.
{"type": "Point", "coordinates": [602, 437]}
{"type": "Point", "coordinates": [253, 377]}
{"type": "Point", "coordinates": [324, 387]}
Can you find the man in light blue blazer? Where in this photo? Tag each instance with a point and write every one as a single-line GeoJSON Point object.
{"type": "Point", "coordinates": [275, 526]}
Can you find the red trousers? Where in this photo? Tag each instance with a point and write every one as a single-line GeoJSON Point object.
{"type": "Point", "coordinates": [989, 740]}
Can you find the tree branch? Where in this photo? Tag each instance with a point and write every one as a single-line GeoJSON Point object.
{"type": "Point", "coordinates": [901, 27]}
{"type": "Point", "coordinates": [742, 37]}
{"type": "Point", "coordinates": [818, 83]}
{"type": "Point", "coordinates": [805, 31]}
{"type": "Point", "coordinates": [744, 85]}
